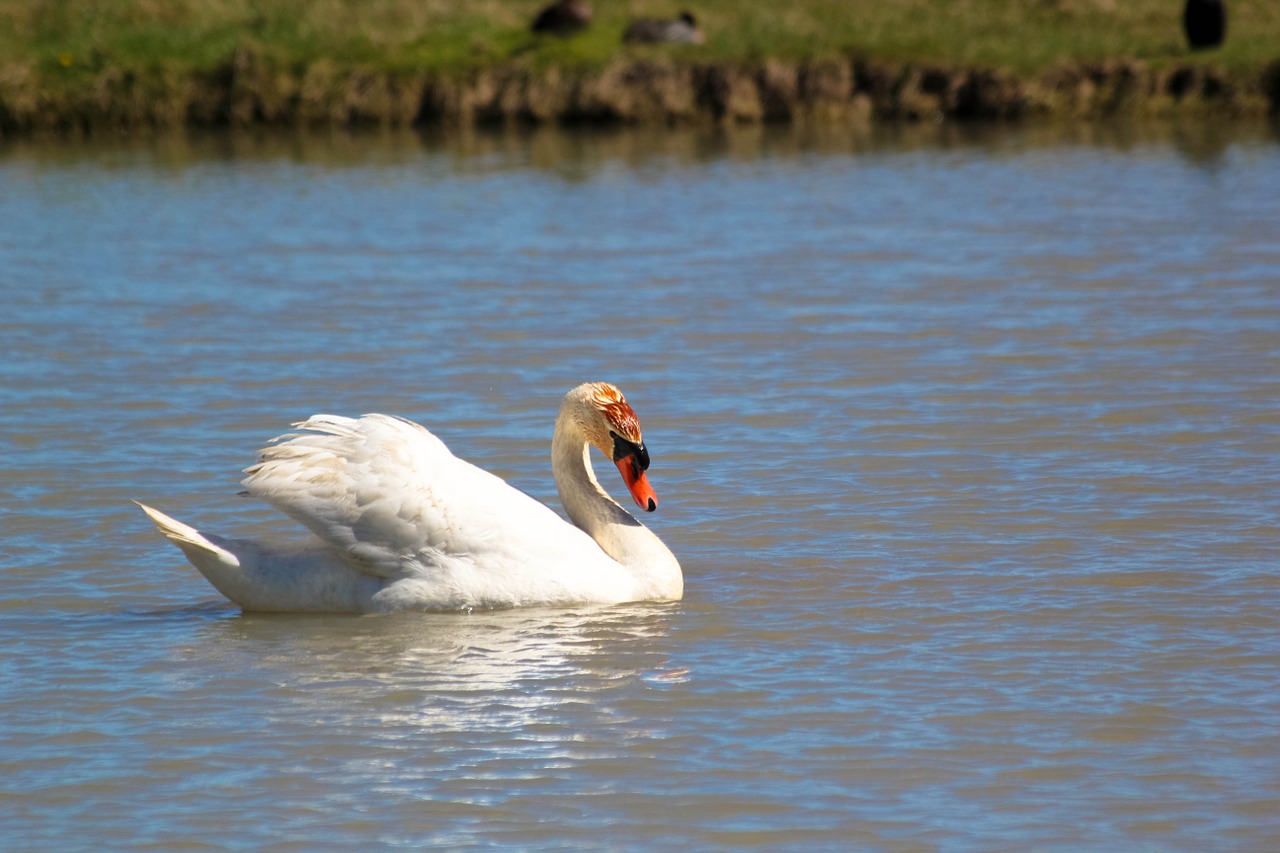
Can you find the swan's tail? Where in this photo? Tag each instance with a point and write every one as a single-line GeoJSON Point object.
{"type": "Point", "coordinates": [203, 554]}
{"type": "Point", "coordinates": [295, 580]}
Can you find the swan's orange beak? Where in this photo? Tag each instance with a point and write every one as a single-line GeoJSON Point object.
{"type": "Point", "coordinates": [637, 482]}
{"type": "Point", "coordinates": [632, 460]}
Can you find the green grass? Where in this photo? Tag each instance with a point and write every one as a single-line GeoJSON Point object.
{"type": "Point", "coordinates": [1025, 36]}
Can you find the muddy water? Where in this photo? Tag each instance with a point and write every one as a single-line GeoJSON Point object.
{"type": "Point", "coordinates": [967, 442]}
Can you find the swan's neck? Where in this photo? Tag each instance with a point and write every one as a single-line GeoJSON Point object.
{"type": "Point", "coordinates": [615, 530]}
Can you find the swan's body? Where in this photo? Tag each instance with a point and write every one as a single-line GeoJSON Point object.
{"type": "Point", "coordinates": [404, 524]}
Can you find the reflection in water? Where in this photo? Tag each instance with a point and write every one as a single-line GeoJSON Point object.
{"type": "Point", "coordinates": [487, 670]}
{"type": "Point", "coordinates": [579, 154]}
{"type": "Point", "coordinates": [449, 709]}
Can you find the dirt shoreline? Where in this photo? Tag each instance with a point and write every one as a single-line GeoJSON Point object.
{"type": "Point", "coordinates": [247, 91]}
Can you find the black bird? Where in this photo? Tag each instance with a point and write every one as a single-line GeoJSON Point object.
{"type": "Point", "coordinates": [1205, 22]}
{"type": "Point", "coordinates": [563, 18]}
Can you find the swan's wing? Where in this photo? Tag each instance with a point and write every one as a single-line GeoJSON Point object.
{"type": "Point", "coordinates": [390, 495]}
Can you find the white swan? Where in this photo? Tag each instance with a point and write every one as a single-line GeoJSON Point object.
{"type": "Point", "coordinates": [404, 524]}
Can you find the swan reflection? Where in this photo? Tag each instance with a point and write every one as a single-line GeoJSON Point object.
{"type": "Point", "coordinates": [533, 672]}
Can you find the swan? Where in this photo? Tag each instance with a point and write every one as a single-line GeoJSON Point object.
{"type": "Point", "coordinates": [403, 524]}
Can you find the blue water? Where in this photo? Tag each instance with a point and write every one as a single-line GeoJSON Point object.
{"type": "Point", "coordinates": [967, 441]}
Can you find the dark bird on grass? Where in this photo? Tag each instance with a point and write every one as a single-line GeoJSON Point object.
{"type": "Point", "coordinates": [1205, 23]}
{"type": "Point", "coordinates": [563, 18]}
{"type": "Point", "coordinates": [682, 30]}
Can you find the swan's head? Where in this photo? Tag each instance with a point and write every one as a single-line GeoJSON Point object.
{"type": "Point", "coordinates": [609, 423]}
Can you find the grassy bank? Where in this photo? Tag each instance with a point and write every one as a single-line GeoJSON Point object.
{"type": "Point", "coordinates": [88, 64]}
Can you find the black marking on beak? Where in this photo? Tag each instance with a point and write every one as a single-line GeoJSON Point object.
{"type": "Point", "coordinates": [622, 447]}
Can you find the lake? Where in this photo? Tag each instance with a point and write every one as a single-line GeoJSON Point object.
{"type": "Point", "coordinates": [966, 438]}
